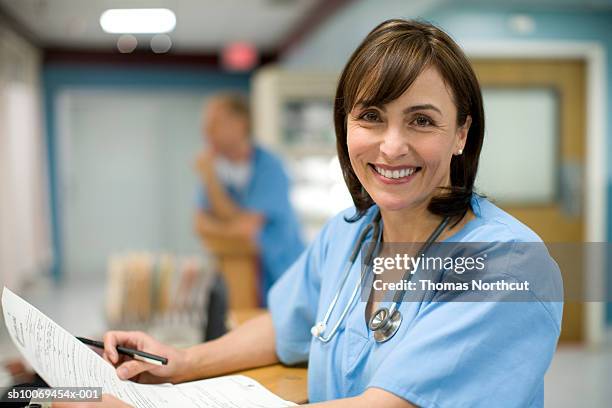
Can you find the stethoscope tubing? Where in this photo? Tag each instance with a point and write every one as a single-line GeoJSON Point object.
{"type": "Point", "coordinates": [398, 297]}
{"type": "Point", "coordinates": [319, 329]}
{"type": "Point", "coordinates": [375, 226]}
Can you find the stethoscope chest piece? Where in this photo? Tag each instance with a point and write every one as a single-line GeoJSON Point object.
{"type": "Point", "coordinates": [384, 326]}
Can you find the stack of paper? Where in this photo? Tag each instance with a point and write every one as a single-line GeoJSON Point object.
{"type": "Point", "coordinates": [63, 361]}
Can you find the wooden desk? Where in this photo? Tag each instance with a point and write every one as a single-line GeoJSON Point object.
{"type": "Point", "coordinates": [289, 383]}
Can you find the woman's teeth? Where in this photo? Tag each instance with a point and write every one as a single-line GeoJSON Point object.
{"type": "Point", "coordinates": [395, 174]}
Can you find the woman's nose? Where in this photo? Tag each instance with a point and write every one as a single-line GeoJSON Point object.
{"type": "Point", "coordinates": [395, 144]}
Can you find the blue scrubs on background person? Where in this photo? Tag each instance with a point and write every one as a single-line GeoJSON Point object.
{"type": "Point", "coordinates": [445, 354]}
{"type": "Point", "coordinates": [267, 192]}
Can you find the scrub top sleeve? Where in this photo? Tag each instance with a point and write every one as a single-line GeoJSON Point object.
{"type": "Point", "coordinates": [269, 193]}
{"type": "Point", "coordinates": [293, 302]}
{"type": "Point", "coordinates": [471, 354]}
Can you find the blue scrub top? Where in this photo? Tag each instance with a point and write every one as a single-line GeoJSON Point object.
{"type": "Point", "coordinates": [445, 354]}
{"type": "Point", "coordinates": [267, 193]}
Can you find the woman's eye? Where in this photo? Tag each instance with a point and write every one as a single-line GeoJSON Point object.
{"type": "Point", "coordinates": [370, 116]}
{"type": "Point", "coordinates": [422, 121]}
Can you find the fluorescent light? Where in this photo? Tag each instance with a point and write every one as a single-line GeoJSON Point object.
{"type": "Point", "coordinates": [138, 21]}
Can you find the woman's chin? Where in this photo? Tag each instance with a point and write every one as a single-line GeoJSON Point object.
{"type": "Point", "coordinates": [394, 204]}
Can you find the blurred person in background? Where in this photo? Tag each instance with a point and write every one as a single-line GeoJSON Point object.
{"type": "Point", "coordinates": [244, 207]}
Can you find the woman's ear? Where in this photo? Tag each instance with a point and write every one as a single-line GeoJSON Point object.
{"type": "Point", "coordinates": [462, 133]}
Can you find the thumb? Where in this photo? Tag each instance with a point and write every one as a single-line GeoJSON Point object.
{"type": "Point", "coordinates": [132, 368]}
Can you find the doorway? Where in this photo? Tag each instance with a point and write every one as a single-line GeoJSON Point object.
{"type": "Point", "coordinates": [534, 153]}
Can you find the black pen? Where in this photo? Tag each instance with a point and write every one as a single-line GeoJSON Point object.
{"type": "Point", "coordinates": [135, 354]}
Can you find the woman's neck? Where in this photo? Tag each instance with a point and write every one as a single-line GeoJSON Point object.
{"type": "Point", "coordinates": [408, 225]}
{"type": "Point", "coordinates": [416, 225]}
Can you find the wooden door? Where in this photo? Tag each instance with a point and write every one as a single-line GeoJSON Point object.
{"type": "Point", "coordinates": [557, 215]}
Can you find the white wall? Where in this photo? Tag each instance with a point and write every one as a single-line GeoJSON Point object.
{"type": "Point", "coordinates": [25, 246]}
{"type": "Point", "coordinates": [126, 171]}
{"type": "Point", "coordinates": [331, 45]}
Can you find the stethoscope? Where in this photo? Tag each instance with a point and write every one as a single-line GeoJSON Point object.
{"type": "Point", "coordinates": [386, 321]}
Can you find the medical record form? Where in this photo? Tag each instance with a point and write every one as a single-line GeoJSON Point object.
{"type": "Point", "coordinates": [63, 361]}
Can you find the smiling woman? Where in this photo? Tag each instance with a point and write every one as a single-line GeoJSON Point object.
{"type": "Point", "coordinates": [442, 111]}
{"type": "Point", "coordinates": [409, 125]}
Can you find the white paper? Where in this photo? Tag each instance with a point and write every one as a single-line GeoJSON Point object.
{"type": "Point", "coordinates": [63, 361]}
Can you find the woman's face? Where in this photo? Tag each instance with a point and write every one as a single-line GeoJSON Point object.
{"type": "Point", "coordinates": [401, 152]}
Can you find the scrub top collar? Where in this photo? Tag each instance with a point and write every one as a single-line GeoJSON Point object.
{"type": "Point", "coordinates": [456, 237]}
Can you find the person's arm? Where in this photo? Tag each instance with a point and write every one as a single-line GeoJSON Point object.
{"type": "Point", "coordinates": [231, 237]}
{"type": "Point", "coordinates": [244, 225]}
{"type": "Point", "coordinates": [235, 351]}
{"type": "Point", "coordinates": [248, 346]}
{"type": "Point", "coordinates": [372, 397]}
{"type": "Point", "coordinates": [221, 204]}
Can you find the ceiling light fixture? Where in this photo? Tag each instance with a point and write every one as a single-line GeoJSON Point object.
{"type": "Point", "coordinates": [138, 21]}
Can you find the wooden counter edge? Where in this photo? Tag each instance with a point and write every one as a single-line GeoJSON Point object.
{"type": "Point", "coordinates": [289, 383]}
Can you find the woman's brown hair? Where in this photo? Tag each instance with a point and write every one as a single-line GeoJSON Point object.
{"type": "Point", "coordinates": [380, 70]}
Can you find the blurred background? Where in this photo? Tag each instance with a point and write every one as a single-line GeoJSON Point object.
{"type": "Point", "coordinates": [101, 122]}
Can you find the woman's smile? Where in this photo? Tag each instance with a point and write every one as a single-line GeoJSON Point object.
{"type": "Point", "coordinates": [394, 174]}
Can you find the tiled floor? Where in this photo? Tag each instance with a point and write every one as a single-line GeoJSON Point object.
{"type": "Point", "coordinates": [577, 377]}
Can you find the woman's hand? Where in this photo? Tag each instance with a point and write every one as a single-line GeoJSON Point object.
{"type": "Point", "coordinates": [108, 401]}
{"type": "Point", "coordinates": [128, 368]}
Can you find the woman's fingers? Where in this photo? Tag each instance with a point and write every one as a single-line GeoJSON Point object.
{"type": "Point", "coordinates": [116, 363]}
{"type": "Point", "coordinates": [110, 347]}
{"type": "Point", "coordinates": [129, 368]}
{"type": "Point", "coordinates": [132, 368]}
{"type": "Point", "coordinates": [122, 338]}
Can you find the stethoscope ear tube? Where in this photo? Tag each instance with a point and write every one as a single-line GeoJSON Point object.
{"type": "Point", "coordinates": [398, 297]}
{"type": "Point", "coordinates": [360, 240]}
{"type": "Point", "coordinates": [385, 322]}
{"type": "Point", "coordinates": [319, 328]}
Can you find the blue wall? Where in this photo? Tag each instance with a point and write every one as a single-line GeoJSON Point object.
{"type": "Point", "coordinates": [57, 78]}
